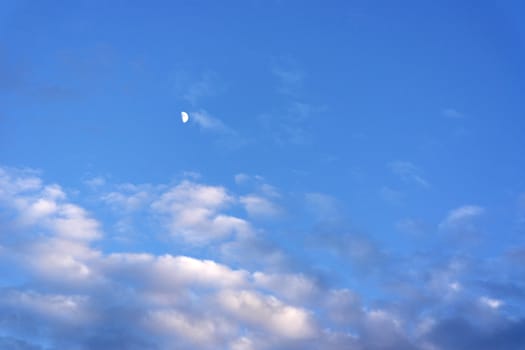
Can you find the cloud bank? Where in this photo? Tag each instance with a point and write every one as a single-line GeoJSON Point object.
{"type": "Point", "coordinates": [64, 287]}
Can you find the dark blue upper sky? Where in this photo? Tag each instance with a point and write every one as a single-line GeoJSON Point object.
{"type": "Point", "coordinates": [364, 154]}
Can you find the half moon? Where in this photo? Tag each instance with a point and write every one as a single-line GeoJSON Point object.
{"type": "Point", "coordinates": [184, 116]}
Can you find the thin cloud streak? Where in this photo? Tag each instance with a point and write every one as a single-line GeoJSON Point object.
{"type": "Point", "coordinates": [408, 172]}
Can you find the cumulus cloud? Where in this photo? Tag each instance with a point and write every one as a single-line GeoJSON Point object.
{"type": "Point", "coordinates": [298, 288]}
{"type": "Point", "coordinates": [171, 294]}
{"type": "Point", "coordinates": [269, 313]}
{"type": "Point", "coordinates": [192, 212]}
{"type": "Point", "coordinates": [46, 207]}
{"type": "Point", "coordinates": [73, 291]}
{"type": "Point", "coordinates": [171, 272]}
{"type": "Point", "coordinates": [188, 330]}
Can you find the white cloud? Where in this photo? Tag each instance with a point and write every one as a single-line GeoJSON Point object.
{"type": "Point", "coordinates": [67, 309]}
{"type": "Point", "coordinates": [201, 271]}
{"type": "Point", "coordinates": [16, 181]}
{"type": "Point", "coordinates": [77, 290]}
{"type": "Point", "coordinates": [207, 122]}
{"type": "Point", "coordinates": [445, 280]}
{"type": "Point", "coordinates": [62, 261]}
{"type": "Point", "coordinates": [296, 288]}
{"type": "Point", "coordinates": [455, 286]}
{"type": "Point", "coordinates": [491, 303]}
{"type": "Point", "coordinates": [258, 206]}
{"type": "Point", "coordinates": [195, 195]}
{"type": "Point", "coordinates": [73, 222]}
{"type": "Point", "coordinates": [269, 313]}
{"type": "Point", "coordinates": [241, 178]}
{"type": "Point", "coordinates": [461, 218]}
{"type": "Point", "coordinates": [46, 207]}
{"type": "Point", "coordinates": [208, 332]}
{"type": "Point", "coordinates": [129, 197]}
{"type": "Point", "coordinates": [192, 212]}
{"type": "Point", "coordinates": [258, 185]}
{"type": "Point", "coordinates": [169, 271]}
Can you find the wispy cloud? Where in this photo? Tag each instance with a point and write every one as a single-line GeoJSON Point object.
{"type": "Point", "coordinates": [291, 125]}
{"type": "Point", "coordinates": [261, 202]}
{"type": "Point", "coordinates": [366, 255]}
{"type": "Point", "coordinates": [408, 172]}
{"type": "Point", "coordinates": [322, 206]}
{"type": "Point", "coordinates": [391, 195]}
{"type": "Point", "coordinates": [225, 137]}
{"type": "Point", "coordinates": [129, 197]}
{"type": "Point", "coordinates": [95, 182]}
{"type": "Point", "coordinates": [259, 206]}
{"type": "Point", "coordinates": [195, 88]}
{"type": "Point", "coordinates": [462, 215]}
{"type": "Point", "coordinates": [207, 122]}
{"type": "Point", "coordinates": [452, 113]}
{"type": "Point", "coordinates": [491, 302]}
{"type": "Point", "coordinates": [462, 223]}
{"type": "Point", "coordinates": [412, 227]}
{"type": "Point", "coordinates": [289, 76]}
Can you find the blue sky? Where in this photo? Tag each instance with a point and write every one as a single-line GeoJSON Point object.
{"type": "Point", "coordinates": [351, 176]}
